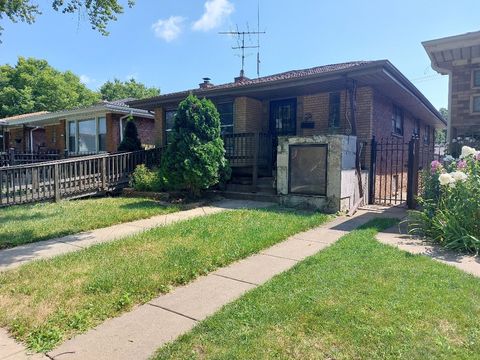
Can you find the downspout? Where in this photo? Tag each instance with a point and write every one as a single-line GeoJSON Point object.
{"type": "Point", "coordinates": [352, 92]}
{"type": "Point", "coordinates": [121, 124]}
{"type": "Point", "coordinates": [31, 137]}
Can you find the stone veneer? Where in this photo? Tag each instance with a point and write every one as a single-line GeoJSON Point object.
{"type": "Point", "coordinates": [342, 183]}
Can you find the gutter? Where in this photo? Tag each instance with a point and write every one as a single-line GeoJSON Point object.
{"type": "Point", "coordinates": [31, 136]}
{"type": "Point", "coordinates": [121, 124]}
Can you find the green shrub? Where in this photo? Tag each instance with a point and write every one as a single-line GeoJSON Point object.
{"type": "Point", "coordinates": [130, 141]}
{"type": "Point", "coordinates": [195, 157]}
{"type": "Point", "coordinates": [144, 179]}
{"type": "Point", "coordinates": [450, 204]}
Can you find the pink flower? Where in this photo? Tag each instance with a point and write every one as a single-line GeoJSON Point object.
{"type": "Point", "coordinates": [462, 164]}
{"type": "Point", "coordinates": [435, 166]}
{"type": "Point", "coordinates": [477, 156]}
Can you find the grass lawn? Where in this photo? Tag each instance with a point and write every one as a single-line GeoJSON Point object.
{"type": "Point", "coordinates": [358, 299]}
{"type": "Point", "coordinates": [30, 223]}
{"type": "Point", "coordinates": [42, 303]}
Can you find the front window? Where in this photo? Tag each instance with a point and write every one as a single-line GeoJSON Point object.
{"type": "Point", "coordinates": [169, 122]}
{"type": "Point", "coordinates": [426, 136]}
{"type": "Point", "coordinates": [87, 135]}
{"type": "Point", "coordinates": [102, 134]}
{"type": "Point", "coordinates": [226, 117]}
{"type": "Point", "coordinates": [476, 78]}
{"type": "Point", "coordinates": [397, 121]}
{"type": "Point", "coordinates": [72, 137]}
{"type": "Point", "coordinates": [476, 104]}
{"type": "Point", "coordinates": [416, 127]}
{"type": "Point", "coordinates": [334, 111]}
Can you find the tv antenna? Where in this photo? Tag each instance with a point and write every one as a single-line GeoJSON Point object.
{"type": "Point", "coordinates": [242, 46]}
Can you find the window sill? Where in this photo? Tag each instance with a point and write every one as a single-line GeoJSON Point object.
{"type": "Point", "coordinates": [397, 135]}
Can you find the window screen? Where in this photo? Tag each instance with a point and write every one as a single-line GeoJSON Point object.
{"type": "Point", "coordinates": [476, 78]}
{"type": "Point", "coordinates": [169, 122]}
{"type": "Point", "coordinates": [226, 117]}
{"type": "Point", "coordinates": [308, 169]}
{"type": "Point", "coordinates": [334, 110]}
{"type": "Point", "coordinates": [102, 134]}
{"type": "Point", "coordinates": [72, 129]}
{"type": "Point", "coordinates": [87, 131]}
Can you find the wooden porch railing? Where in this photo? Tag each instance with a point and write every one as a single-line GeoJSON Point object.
{"type": "Point", "coordinates": [253, 150]}
{"type": "Point", "coordinates": [12, 158]}
{"type": "Point", "coordinates": [71, 178]}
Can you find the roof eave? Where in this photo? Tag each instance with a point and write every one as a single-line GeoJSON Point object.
{"type": "Point", "coordinates": [157, 101]}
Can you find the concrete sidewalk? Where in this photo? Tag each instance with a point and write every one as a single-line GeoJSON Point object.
{"type": "Point", "coordinates": [139, 333]}
{"type": "Point", "coordinates": [14, 257]}
{"type": "Point", "coordinates": [398, 236]}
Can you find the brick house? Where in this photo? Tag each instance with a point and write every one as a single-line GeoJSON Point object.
{"type": "Point", "coordinates": [459, 58]}
{"type": "Point", "coordinates": [293, 132]}
{"type": "Point", "coordinates": [89, 130]}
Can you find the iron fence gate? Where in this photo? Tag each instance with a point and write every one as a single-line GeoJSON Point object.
{"type": "Point", "coordinates": [395, 169]}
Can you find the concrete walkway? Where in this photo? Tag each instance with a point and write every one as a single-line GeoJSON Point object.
{"type": "Point", "coordinates": [14, 257]}
{"type": "Point", "coordinates": [398, 236]}
{"type": "Point", "coordinates": [139, 333]}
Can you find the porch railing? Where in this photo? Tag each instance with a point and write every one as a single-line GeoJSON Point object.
{"type": "Point", "coordinates": [71, 178]}
{"type": "Point", "coordinates": [253, 150]}
{"type": "Point", "coordinates": [12, 158]}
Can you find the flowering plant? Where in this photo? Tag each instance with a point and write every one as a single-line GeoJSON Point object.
{"type": "Point", "coordinates": [450, 202]}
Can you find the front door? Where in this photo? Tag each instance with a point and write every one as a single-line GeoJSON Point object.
{"type": "Point", "coordinates": [283, 122]}
{"type": "Point", "coordinates": [283, 117]}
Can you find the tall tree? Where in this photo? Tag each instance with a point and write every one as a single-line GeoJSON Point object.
{"type": "Point", "coordinates": [33, 85]}
{"type": "Point", "coordinates": [116, 90]}
{"type": "Point", "coordinates": [99, 12]}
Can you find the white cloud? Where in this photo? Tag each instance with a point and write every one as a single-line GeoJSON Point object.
{"type": "Point", "coordinates": [168, 29]}
{"type": "Point", "coordinates": [215, 13]}
{"type": "Point", "coordinates": [85, 79]}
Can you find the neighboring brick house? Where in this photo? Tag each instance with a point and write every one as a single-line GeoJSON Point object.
{"type": "Point", "coordinates": [91, 129]}
{"type": "Point", "coordinates": [363, 98]}
{"type": "Point", "coordinates": [459, 57]}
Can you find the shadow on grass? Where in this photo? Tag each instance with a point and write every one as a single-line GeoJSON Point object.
{"type": "Point", "coordinates": [142, 205]}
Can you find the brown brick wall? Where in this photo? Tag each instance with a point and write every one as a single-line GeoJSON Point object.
{"type": "Point", "coordinates": [463, 121]}
{"type": "Point", "coordinates": [17, 139]}
{"type": "Point", "coordinates": [382, 120]}
{"type": "Point", "coordinates": [248, 114]}
{"type": "Point", "coordinates": [145, 128]}
{"type": "Point", "coordinates": [55, 136]}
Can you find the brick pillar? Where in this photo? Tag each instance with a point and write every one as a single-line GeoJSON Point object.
{"type": "Point", "coordinates": [159, 127]}
{"type": "Point", "coordinates": [113, 133]}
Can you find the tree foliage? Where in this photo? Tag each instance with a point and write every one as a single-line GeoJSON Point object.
{"type": "Point", "coordinates": [195, 158]}
{"type": "Point", "coordinates": [33, 85]}
{"type": "Point", "coordinates": [130, 141]}
{"type": "Point", "coordinates": [99, 12]}
{"type": "Point", "coordinates": [116, 90]}
{"type": "Point", "coordinates": [441, 134]}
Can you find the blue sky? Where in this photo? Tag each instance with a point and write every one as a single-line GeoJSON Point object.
{"type": "Point", "coordinates": [172, 44]}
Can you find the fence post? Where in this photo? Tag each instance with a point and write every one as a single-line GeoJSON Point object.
{"type": "Point", "coordinates": [256, 146]}
{"type": "Point", "coordinates": [56, 182]}
{"type": "Point", "coordinates": [373, 171]}
{"type": "Point", "coordinates": [104, 173]}
{"type": "Point", "coordinates": [412, 174]}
